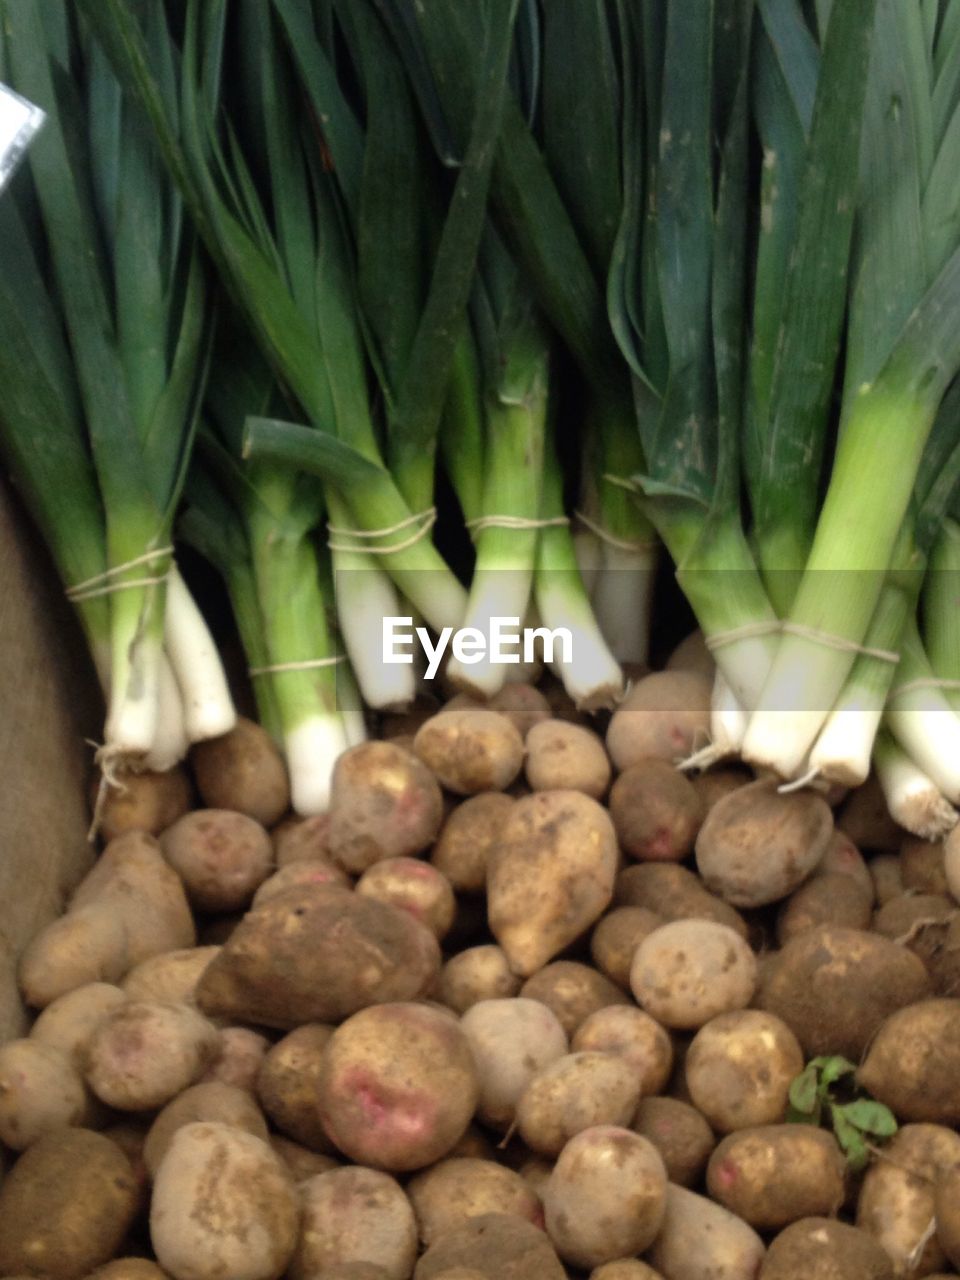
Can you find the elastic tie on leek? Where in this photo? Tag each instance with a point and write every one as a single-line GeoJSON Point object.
{"type": "Point", "coordinates": [622, 544]}
{"type": "Point", "coordinates": [309, 664]}
{"type": "Point", "coordinates": [425, 520]}
{"type": "Point", "coordinates": [923, 682]}
{"type": "Point", "coordinates": [103, 584]}
{"type": "Point", "coordinates": [753, 629]}
{"type": "Point", "coordinates": [518, 523]}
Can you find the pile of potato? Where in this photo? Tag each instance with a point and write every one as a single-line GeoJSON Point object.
{"type": "Point", "coordinates": [526, 1004]}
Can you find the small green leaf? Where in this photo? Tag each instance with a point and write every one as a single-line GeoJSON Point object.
{"type": "Point", "coordinates": [804, 1117]}
{"type": "Point", "coordinates": [833, 1069]}
{"type": "Point", "coordinates": [850, 1139]}
{"type": "Point", "coordinates": [870, 1117]}
{"type": "Point", "coordinates": [803, 1090]}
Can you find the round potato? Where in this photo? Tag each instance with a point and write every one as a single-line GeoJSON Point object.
{"type": "Point", "coordinates": [573, 991]}
{"type": "Point", "coordinates": [478, 973]}
{"type": "Point", "coordinates": [355, 1216]}
{"type": "Point", "coordinates": [496, 1246]}
{"type": "Point", "coordinates": [466, 838]}
{"type": "Point", "coordinates": [211, 1101]}
{"type": "Point", "coordinates": [65, 1206]}
{"type": "Point", "coordinates": [739, 1068]}
{"type": "Point", "coordinates": [606, 1196]}
{"type": "Point", "coordinates": [288, 1082]}
{"type": "Point", "coordinates": [633, 1035]}
{"type": "Point", "coordinates": [412, 886]}
{"type": "Point", "coordinates": [666, 714]}
{"type": "Point", "coordinates": [223, 1205]}
{"type": "Point", "coordinates": [69, 1021]}
{"type": "Point", "coordinates": [145, 801]}
{"type": "Point", "coordinates": [689, 971]}
{"type": "Point", "coordinates": [470, 750]}
{"type": "Point", "coordinates": [550, 876]}
{"type": "Point", "coordinates": [825, 899]}
{"type": "Point", "coordinates": [713, 784]}
{"type": "Point", "coordinates": [398, 1086]}
{"type": "Point", "coordinates": [579, 1091]}
{"type": "Point", "coordinates": [294, 874]}
{"type": "Point", "coordinates": [221, 857]}
{"type": "Point", "coordinates": [566, 757]}
{"type": "Point", "coordinates": [681, 1135]}
{"type": "Point", "coordinates": [143, 1053]}
{"type": "Point", "coordinates": [510, 1040]}
{"type": "Point", "coordinates": [656, 811]}
{"type": "Point", "coordinates": [454, 1190]}
{"type": "Point", "coordinates": [384, 804]}
{"type": "Point", "coordinates": [240, 1053]}
{"type": "Point", "coordinates": [616, 937]}
{"type": "Point", "coordinates": [757, 845]}
{"type": "Point", "coordinates": [674, 893]}
{"type": "Point", "coordinates": [242, 770]}
{"type": "Point", "coordinates": [913, 1061]}
{"type": "Point", "coordinates": [822, 1249]}
{"type": "Point", "coordinates": [773, 1175]}
{"type": "Point", "coordinates": [41, 1091]}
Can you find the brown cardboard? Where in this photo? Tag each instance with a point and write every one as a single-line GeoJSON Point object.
{"type": "Point", "coordinates": [48, 704]}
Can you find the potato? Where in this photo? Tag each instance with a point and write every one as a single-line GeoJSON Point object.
{"type": "Point", "coordinates": [523, 704]}
{"type": "Point", "coordinates": [65, 1206]}
{"type": "Point", "coordinates": [573, 991]}
{"type": "Point", "coordinates": [223, 1205]}
{"type": "Point", "coordinates": [946, 1202]}
{"type": "Point", "coordinates": [886, 876]}
{"type": "Point", "coordinates": [606, 1197]}
{"type": "Point", "coordinates": [773, 1175]}
{"type": "Point", "coordinates": [355, 1215]}
{"type": "Point", "coordinates": [633, 1035]}
{"type": "Point", "coordinates": [865, 818]}
{"type": "Point", "coordinates": [833, 987]}
{"type": "Point", "coordinates": [146, 801]}
{"type": "Point", "coordinates": [830, 899]}
{"type": "Point", "coordinates": [674, 893]}
{"type": "Point", "coordinates": [242, 770]}
{"type": "Point", "coordinates": [301, 1162]}
{"type": "Point", "coordinates": [447, 1195]}
{"type": "Point", "coordinates": [143, 1053]}
{"type": "Point", "coordinates": [681, 1135]}
{"type": "Point", "coordinates": [625, 1269]}
{"type": "Point", "coordinates": [739, 1068]}
{"type": "Point", "coordinates": [897, 1200]}
{"type": "Point", "coordinates": [923, 865]}
{"type": "Point", "coordinates": [700, 1240]}
{"type": "Point", "coordinates": [288, 1081]}
{"type": "Point", "coordinates": [692, 654]}
{"type": "Point", "coordinates": [41, 1091]}
{"type": "Point", "coordinates": [511, 1040]}
{"type": "Point", "coordinates": [240, 1053]}
{"type": "Point", "coordinates": [131, 905]}
{"type": "Point", "coordinates": [656, 811]}
{"type": "Point", "coordinates": [919, 921]}
{"type": "Point", "coordinates": [397, 1087]}
{"type": "Point", "coordinates": [478, 973]}
{"type": "Point", "coordinates": [496, 1246]}
{"type": "Point", "coordinates": [318, 954]}
{"type": "Point", "coordinates": [842, 857]}
{"type": "Point", "coordinates": [616, 937]}
{"type": "Point", "coordinates": [301, 840]}
{"type": "Point", "coordinates": [384, 804]}
{"type": "Point", "coordinates": [294, 874]}
{"type": "Point", "coordinates": [758, 845]}
{"type": "Point", "coordinates": [222, 857]}
{"type": "Point", "coordinates": [951, 863]}
{"type": "Point", "coordinates": [69, 1021]}
{"type": "Point", "coordinates": [576, 1092]}
{"type": "Point", "coordinates": [550, 876]}
{"type": "Point", "coordinates": [686, 972]}
{"type": "Point", "coordinates": [208, 1101]}
{"type": "Point", "coordinates": [821, 1249]}
{"type": "Point", "coordinates": [171, 976]}
{"type": "Point", "coordinates": [566, 757]}
{"type": "Point", "coordinates": [913, 1062]}
{"type": "Point", "coordinates": [470, 750]}
{"type": "Point", "coordinates": [129, 1269]}
{"type": "Point", "coordinates": [131, 1137]}
{"type": "Point", "coordinates": [713, 784]}
{"type": "Point", "coordinates": [466, 838]}
{"type": "Point", "coordinates": [412, 886]}
{"type": "Point", "coordinates": [666, 715]}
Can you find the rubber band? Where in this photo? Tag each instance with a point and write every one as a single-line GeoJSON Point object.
{"type": "Point", "coordinates": [518, 523]}
{"type": "Point", "coordinates": [752, 630]}
{"type": "Point", "coordinates": [621, 544]}
{"type": "Point", "coordinates": [797, 784]}
{"type": "Point", "coordinates": [923, 682]}
{"type": "Point", "coordinates": [425, 519]}
{"type": "Point", "coordinates": [308, 665]}
{"type": "Point", "coordinates": [102, 584]}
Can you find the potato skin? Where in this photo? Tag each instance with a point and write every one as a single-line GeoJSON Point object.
{"type": "Point", "coordinates": [397, 1087]}
{"type": "Point", "coordinates": [739, 1067]}
{"type": "Point", "coordinates": [459, 1188]}
{"type": "Point", "coordinates": [242, 770]}
{"type": "Point", "coordinates": [616, 937]}
{"type": "Point", "coordinates": [828, 898]}
{"type": "Point", "coordinates": [354, 1215]}
{"type": "Point", "coordinates": [470, 750]}
{"type": "Point", "coordinates": [143, 1053]}
{"type": "Point", "coordinates": [496, 1246]}
{"type": "Point", "coordinates": [510, 1040]}
{"type": "Point", "coordinates": [566, 757]}
{"type": "Point", "coordinates": [773, 1175]}
{"type": "Point", "coordinates": [287, 1084]}
{"type": "Point", "coordinates": [147, 802]}
{"type": "Point", "coordinates": [478, 973]}
{"type": "Point", "coordinates": [41, 1091]}
{"type": "Point", "coordinates": [634, 1035]}
{"type": "Point", "coordinates": [221, 856]}
{"type": "Point", "coordinates": [688, 971]}
{"type": "Point", "coordinates": [171, 976]}
{"type": "Point", "coordinates": [318, 954]}
{"type": "Point", "coordinates": [301, 840]}
{"type": "Point", "coordinates": [414, 886]}
{"type": "Point", "coordinates": [674, 893]}
{"type": "Point", "coordinates": [550, 876]}
{"type": "Point", "coordinates": [65, 1206]}
{"type": "Point", "coordinates": [758, 845]}
{"type": "Point", "coordinates": [69, 1021]}
{"type": "Point", "coordinates": [573, 991]}
{"type": "Point", "coordinates": [833, 987]}
{"type": "Point", "coordinates": [223, 1205]}
{"type": "Point", "coordinates": [211, 1101]}
{"type": "Point", "coordinates": [577, 1092]}
{"type": "Point", "coordinates": [700, 1240]}
{"type": "Point", "coordinates": [681, 1135]}
{"type": "Point", "coordinates": [666, 714]}
{"type": "Point", "coordinates": [823, 1249]}
{"type": "Point", "coordinates": [469, 832]}
{"type": "Point", "coordinates": [656, 811]}
{"type": "Point", "coordinates": [914, 1061]}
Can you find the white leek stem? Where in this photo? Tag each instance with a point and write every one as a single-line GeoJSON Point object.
{"type": "Point", "coordinates": [494, 593]}
{"type": "Point", "coordinates": [622, 599]}
{"type": "Point", "coordinates": [365, 596]}
{"type": "Point", "coordinates": [208, 710]}
{"type": "Point", "coordinates": [528, 672]}
{"type": "Point", "coordinates": [592, 677]}
{"type": "Point", "coordinates": [171, 742]}
{"type": "Point", "coordinates": [728, 723]}
{"type": "Point", "coordinates": [842, 751]}
{"type": "Point", "coordinates": [132, 717]}
{"type": "Point", "coordinates": [928, 729]}
{"type": "Point", "coordinates": [312, 749]}
{"type": "Point", "coordinates": [351, 708]}
{"type": "Point", "coordinates": [914, 800]}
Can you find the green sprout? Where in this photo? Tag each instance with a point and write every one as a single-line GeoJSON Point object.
{"type": "Point", "coordinates": [826, 1086]}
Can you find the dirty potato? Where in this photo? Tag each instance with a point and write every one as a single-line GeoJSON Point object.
{"type": "Point", "coordinates": [739, 1067]}
{"type": "Point", "coordinates": [470, 750]}
{"type": "Point", "coordinates": [454, 1190]}
{"type": "Point", "coordinates": [689, 971]}
{"type": "Point", "coordinates": [354, 1216]}
{"type": "Point", "coordinates": [773, 1175]}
